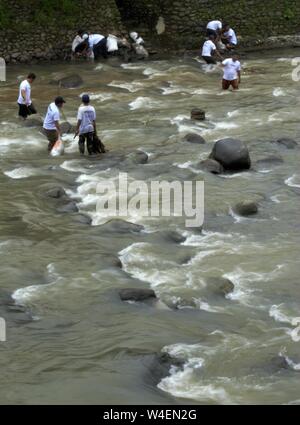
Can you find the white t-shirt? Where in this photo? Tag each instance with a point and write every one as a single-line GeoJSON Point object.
{"type": "Point", "coordinates": [52, 116]}
{"type": "Point", "coordinates": [77, 40]}
{"type": "Point", "coordinates": [112, 43]}
{"type": "Point", "coordinates": [214, 25]}
{"type": "Point", "coordinates": [24, 86]}
{"type": "Point", "coordinates": [231, 69]}
{"type": "Point", "coordinates": [95, 39]}
{"type": "Point", "coordinates": [208, 48]}
{"type": "Point", "coordinates": [86, 114]}
{"type": "Point", "coordinates": [230, 34]}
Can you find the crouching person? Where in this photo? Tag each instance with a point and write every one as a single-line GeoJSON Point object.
{"type": "Point", "coordinates": [86, 125]}
{"type": "Point", "coordinates": [51, 125]}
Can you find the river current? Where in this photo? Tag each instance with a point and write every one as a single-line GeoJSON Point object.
{"type": "Point", "coordinates": [70, 339]}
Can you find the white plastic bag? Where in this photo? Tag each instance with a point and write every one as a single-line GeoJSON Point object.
{"type": "Point", "coordinates": [58, 149]}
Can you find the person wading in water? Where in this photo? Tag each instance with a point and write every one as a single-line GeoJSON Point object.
{"type": "Point", "coordinates": [24, 101]}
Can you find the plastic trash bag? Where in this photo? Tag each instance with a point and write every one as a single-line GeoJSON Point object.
{"type": "Point", "coordinates": [58, 149]}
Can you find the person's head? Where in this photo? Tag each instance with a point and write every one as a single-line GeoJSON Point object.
{"type": "Point", "coordinates": [31, 77]}
{"type": "Point", "coordinates": [134, 35]}
{"type": "Point", "coordinates": [235, 58]}
{"type": "Point", "coordinates": [85, 36]}
{"type": "Point", "coordinates": [85, 99]}
{"type": "Point", "coordinates": [80, 33]}
{"type": "Point", "coordinates": [59, 101]}
{"type": "Point", "coordinates": [212, 37]}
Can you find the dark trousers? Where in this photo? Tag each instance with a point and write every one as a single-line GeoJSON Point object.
{"type": "Point", "coordinates": [25, 110]}
{"type": "Point", "coordinates": [100, 49]}
{"type": "Point", "coordinates": [209, 59]}
{"type": "Point", "coordinates": [88, 137]}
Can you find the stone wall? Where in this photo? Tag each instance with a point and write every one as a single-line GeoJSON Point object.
{"type": "Point", "coordinates": [178, 24]}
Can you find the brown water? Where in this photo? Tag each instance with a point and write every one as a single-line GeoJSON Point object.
{"type": "Point", "coordinates": [73, 340]}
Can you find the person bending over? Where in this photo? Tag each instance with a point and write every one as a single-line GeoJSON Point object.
{"type": "Point", "coordinates": [232, 73]}
{"type": "Point", "coordinates": [86, 125]}
{"type": "Point", "coordinates": [209, 50]}
{"type": "Point", "coordinates": [51, 123]}
{"type": "Point", "coordinates": [24, 100]}
{"type": "Point", "coordinates": [214, 28]}
{"type": "Point", "coordinates": [229, 37]}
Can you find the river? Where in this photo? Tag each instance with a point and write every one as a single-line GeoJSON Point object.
{"type": "Point", "coordinates": [70, 339]}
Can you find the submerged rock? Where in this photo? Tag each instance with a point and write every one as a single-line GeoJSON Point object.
{"type": "Point", "coordinates": [68, 208]}
{"type": "Point", "coordinates": [211, 166]}
{"type": "Point", "coordinates": [121, 226]}
{"type": "Point", "coordinates": [83, 219]}
{"type": "Point", "coordinates": [69, 82]}
{"type": "Point", "coordinates": [139, 157]}
{"type": "Point", "coordinates": [220, 285]}
{"type": "Point", "coordinates": [198, 114]}
{"type": "Point", "coordinates": [56, 192]}
{"type": "Point", "coordinates": [194, 138]}
{"type": "Point", "coordinates": [246, 208]}
{"type": "Point", "coordinates": [270, 160]}
{"type": "Point", "coordinates": [133, 294]}
{"type": "Point", "coordinates": [33, 123]}
{"type": "Point", "coordinates": [233, 154]}
{"type": "Point", "coordinates": [286, 142]}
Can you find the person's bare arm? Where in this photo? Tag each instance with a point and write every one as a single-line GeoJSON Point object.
{"type": "Point", "coordinates": [95, 127]}
{"type": "Point", "coordinates": [239, 74]}
{"type": "Point", "coordinates": [217, 53]}
{"type": "Point", "coordinates": [23, 93]}
{"type": "Point", "coordinates": [77, 128]}
{"type": "Point", "coordinates": [57, 128]}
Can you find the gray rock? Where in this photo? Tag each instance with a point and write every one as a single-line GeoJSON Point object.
{"type": "Point", "coordinates": [194, 138]}
{"type": "Point", "coordinates": [211, 166]}
{"type": "Point", "coordinates": [139, 157]}
{"type": "Point", "coordinates": [82, 219]}
{"type": "Point", "coordinates": [286, 142]}
{"type": "Point", "coordinates": [33, 123]}
{"type": "Point", "coordinates": [270, 160]}
{"type": "Point", "coordinates": [198, 114]}
{"type": "Point", "coordinates": [56, 192]}
{"type": "Point", "coordinates": [121, 226]}
{"type": "Point", "coordinates": [233, 154]}
{"type": "Point", "coordinates": [68, 208]}
{"type": "Point", "coordinates": [70, 82]}
{"type": "Point", "coordinates": [246, 208]}
{"type": "Point", "coordinates": [220, 286]}
{"type": "Point", "coordinates": [133, 294]}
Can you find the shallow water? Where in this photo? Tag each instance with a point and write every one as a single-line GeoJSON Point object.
{"type": "Point", "coordinates": [74, 340]}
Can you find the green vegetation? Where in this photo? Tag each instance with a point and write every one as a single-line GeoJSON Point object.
{"type": "Point", "coordinates": [41, 12]}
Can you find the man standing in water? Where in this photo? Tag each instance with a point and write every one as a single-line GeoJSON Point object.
{"type": "Point", "coordinates": [51, 123]}
{"type": "Point", "coordinates": [24, 101]}
{"type": "Point", "coordinates": [86, 125]}
{"type": "Point", "coordinates": [232, 73]}
{"type": "Point", "coordinates": [209, 49]}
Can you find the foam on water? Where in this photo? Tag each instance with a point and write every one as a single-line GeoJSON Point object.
{"type": "Point", "coordinates": [100, 96]}
{"type": "Point", "coordinates": [293, 181]}
{"type": "Point", "coordinates": [278, 91]}
{"type": "Point", "coordinates": [144, 103]}
{"type": "Point", "coordinates": [131, 87]}
{"type": "Point", "coordinates": [21, 173]}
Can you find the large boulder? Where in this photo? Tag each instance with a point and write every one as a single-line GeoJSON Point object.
{"type": "Point", "coordinates": [133, 294]}
{"type": "Point", "coordinates": [70, 82]}
{"type": "Point", "coordinates": [198, 114]}
{"type": "Point", "coordinates": [246, 208]}
{"type": "Point", "coordinates": [194, 138]}
{"type": "Point", "coordinates": [232, 154]}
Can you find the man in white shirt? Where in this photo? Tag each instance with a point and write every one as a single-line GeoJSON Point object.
{"type": "Point", "coordinates": [232, 73]}
{"type": "Point", "coordinates": [229, 37]}
{"type": "Point", "coordinates": [214, 28]}
{"type": "Point", "coordinates": [86, 125]}
{"type": "Point", "coordinates": [24, 100]}
{"type": "Point", "coordinates": [98, 45]}
{"type": "Point", "coordinates": [209, 50]}
{"type": "Point", "coordinates": [51, 122]}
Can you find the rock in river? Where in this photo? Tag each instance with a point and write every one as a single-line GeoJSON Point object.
{"type": "Point", "coordinates": [133, 294]}
{"type": "Point", "coordinates": [246, 208]}
{"type": "Point", "coordinates": [233, 154]}
{"type": "Point", "coordinates": [194, 138]}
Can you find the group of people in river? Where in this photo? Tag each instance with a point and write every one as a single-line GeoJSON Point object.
{"type": "Point", "coordinates": [93, 46]}
{"type": "Point", "coordinates": [221, 37]}
{"type": "Point", "coordinates": [86, 119]}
